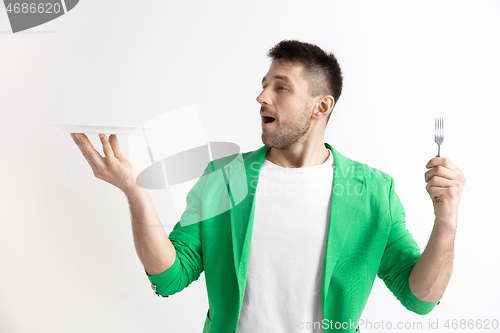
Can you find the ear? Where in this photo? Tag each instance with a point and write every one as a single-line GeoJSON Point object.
{"type": "Point", "coordinates": [324, 106]}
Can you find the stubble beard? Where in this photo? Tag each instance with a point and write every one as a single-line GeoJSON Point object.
{"type": "Point", "coordinates": [288, 134]}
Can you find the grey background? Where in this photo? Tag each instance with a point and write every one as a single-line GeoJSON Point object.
{"type": "Point", "coordinates": [66, 252]}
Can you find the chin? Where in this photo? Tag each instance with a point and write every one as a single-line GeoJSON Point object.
{"type": "Point", "coordinates": [267, 142]}
{"type": "Point", "coordinates": [264, 141]}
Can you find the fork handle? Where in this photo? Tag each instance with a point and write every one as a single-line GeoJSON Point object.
{"type": "Point", "coordinates": [438, 155]}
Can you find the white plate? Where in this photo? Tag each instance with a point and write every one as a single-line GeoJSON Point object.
{"type": "Point", "coordinates": [97, 129]}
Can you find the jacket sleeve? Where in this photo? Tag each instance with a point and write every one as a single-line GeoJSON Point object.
{"type": "Point", "coordinates": [186, 238]}
{"type": "Point", "coordinates": [400, 255]}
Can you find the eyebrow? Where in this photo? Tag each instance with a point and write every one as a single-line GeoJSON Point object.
{"type": "Point", "coordinates": [279, 77]}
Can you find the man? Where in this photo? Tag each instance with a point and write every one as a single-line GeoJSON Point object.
{"type": "Point", "coordinates": [301, 250]}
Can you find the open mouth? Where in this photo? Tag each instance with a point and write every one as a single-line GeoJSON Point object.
{"type": "Point", "coordinates": [267, 119]}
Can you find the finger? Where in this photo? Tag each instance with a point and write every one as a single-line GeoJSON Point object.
{"type": "Point", "coordinates": [106, 147]}
{"type": "Point", "coordinates": [438, 192]}
{"type": "Point", "coordinates": [90, 154]}
{"type": "Point", "coordinates": [440, 171]}
{"type": "Point", "coordinates": [83, 151]}
{"type": "Point", "coordinates": [440, 182]}
{"type": "Point", "coordinates": [443, 161]}
{"type": "Point", "coordinates": [113, 141]}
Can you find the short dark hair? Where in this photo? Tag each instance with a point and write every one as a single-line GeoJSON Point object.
{"type": "Point", "coordinates": [321, 69]}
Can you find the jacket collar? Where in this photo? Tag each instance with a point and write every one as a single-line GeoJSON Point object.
{"type": "Point", "coordinates": [346, 192]}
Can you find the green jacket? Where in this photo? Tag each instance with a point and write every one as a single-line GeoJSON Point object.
{"type": "Point", "coordinates": [367, 237]}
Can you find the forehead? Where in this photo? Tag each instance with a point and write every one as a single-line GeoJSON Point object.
{"type": "Point", "coordinates": [285, 71]}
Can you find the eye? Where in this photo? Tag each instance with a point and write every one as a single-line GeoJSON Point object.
{"type": "Point", "coordinates": [281, 88]}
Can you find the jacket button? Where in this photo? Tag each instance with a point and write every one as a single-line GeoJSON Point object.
{"type": "Point", "coordinates": [153, 286]}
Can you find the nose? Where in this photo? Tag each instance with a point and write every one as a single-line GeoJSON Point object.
{"type": "Point", "coordinates": [264, 98]}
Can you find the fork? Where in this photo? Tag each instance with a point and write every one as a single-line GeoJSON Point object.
{"type": "Point", "coordinates": [439, 134]}
{"type": "Point", "coordinates": [439, 137]}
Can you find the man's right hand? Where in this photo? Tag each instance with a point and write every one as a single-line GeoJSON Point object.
{"type": "Point", "coordinates": [114, 167]}
{"type": "Point", "coordinates": [155, 250]}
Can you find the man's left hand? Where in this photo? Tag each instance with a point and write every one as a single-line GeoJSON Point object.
{"type": "Point", "coordinates": [446, 182]}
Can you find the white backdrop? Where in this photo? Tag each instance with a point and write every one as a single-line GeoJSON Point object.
{"type": "Point", "coordinates": [67, 258]}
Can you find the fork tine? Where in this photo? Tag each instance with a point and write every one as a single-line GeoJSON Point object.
{"type": "Point", "coordinates": [439, 133]}
{"type": "Point", "coordinates": [439, 127]}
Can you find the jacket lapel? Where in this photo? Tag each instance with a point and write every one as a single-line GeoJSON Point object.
{"type": "Point", "coordinates": [244, 177]}
{"type": "Point", "coordinates": [346, 193]}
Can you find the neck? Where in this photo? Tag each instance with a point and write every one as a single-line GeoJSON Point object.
{"type": "Point", "coordinates": [301, 154]}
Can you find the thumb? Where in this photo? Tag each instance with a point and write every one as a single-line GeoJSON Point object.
{"type": "Point", "coordinates": [113, 141]}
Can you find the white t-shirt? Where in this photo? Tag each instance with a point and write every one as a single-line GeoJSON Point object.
{"type": "Point", "coordinates": [285, 269]}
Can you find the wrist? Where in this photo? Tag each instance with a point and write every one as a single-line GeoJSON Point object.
{"type": "Point", "coordinates": [446, 224]}
{"type": "Point", "coordinates": [134, 191]}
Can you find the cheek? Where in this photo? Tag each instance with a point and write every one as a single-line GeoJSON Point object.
{"type": "Point", "coordinates": [289, 107]}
